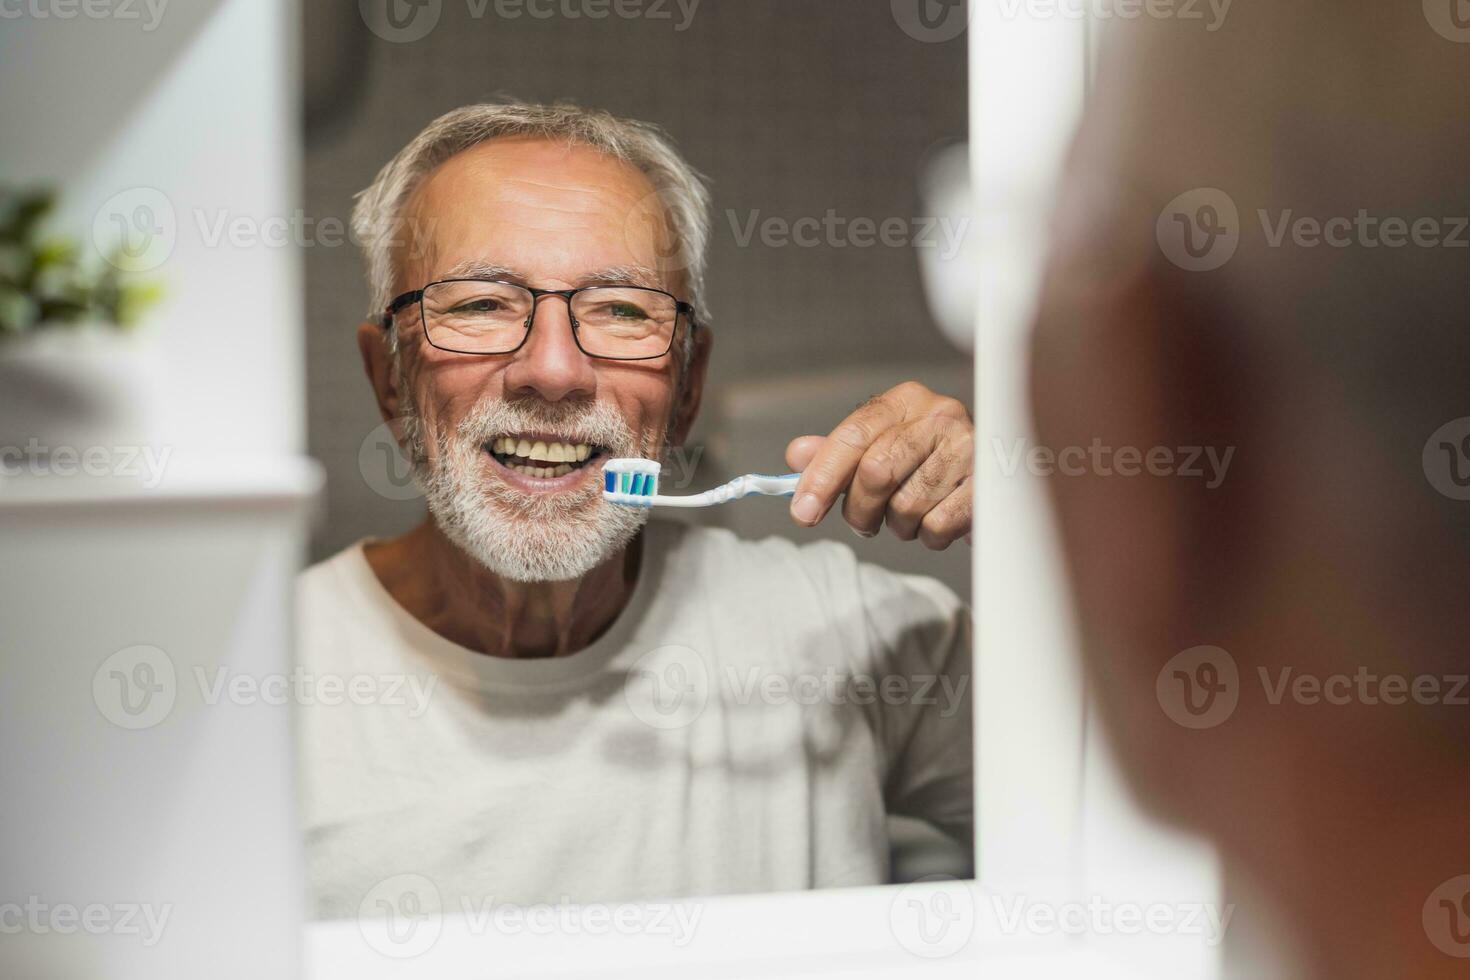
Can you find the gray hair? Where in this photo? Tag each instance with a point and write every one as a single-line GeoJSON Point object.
{"type": "Point", "coordinates": [377, 215]}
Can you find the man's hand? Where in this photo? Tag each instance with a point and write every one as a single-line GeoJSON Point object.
{"type": "Point", "coordinates": [904, 457]}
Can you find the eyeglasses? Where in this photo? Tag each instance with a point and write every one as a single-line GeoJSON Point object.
{"type": "Point", "coordinates": [487, 316]}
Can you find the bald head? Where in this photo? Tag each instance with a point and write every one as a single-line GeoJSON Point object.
{"type": "Point", "coordinates": [1261, 246]}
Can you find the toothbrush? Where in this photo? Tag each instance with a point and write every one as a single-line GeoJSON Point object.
{"type": "Point", "coordinates": [634, 483]}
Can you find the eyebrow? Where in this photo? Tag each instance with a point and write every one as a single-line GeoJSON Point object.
{"type": "Point", "coordinates": [614, 275]}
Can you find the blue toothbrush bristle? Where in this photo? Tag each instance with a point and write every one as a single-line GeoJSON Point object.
{"type": "Point", "coordinates": [632, 482]}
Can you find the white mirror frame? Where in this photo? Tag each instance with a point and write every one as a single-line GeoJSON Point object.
{"type": "Point", "coordinates": [1051, 813]}
{"type": "Point", "coordinates": [1034, 744]}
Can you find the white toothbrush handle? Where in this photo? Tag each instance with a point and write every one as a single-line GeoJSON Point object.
{"type": "Point", "coordinates": [741, 486]}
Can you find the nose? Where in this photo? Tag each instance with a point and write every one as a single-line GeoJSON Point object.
{"type": "Point", "coordinates": [550, 365]}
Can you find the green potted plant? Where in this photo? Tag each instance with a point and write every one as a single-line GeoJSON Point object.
{"type": "Point", "coordinates": [75, 369]}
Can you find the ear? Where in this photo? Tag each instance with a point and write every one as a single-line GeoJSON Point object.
{"type": "Point", "coordinates": [691, 391]}
{"type": "Point", "coordinates": [377, 362]}
{"type": "Point", "coordinates": [1099, 378]}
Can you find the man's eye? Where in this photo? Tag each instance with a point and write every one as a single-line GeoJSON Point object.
{"type": "Point", "coordinates": [478, 306]}
{"type": "Point", "coordinates": [626, 310]}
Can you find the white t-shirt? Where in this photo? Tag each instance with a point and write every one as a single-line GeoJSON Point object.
{"type": "Point", "coordinates": [744, 725]}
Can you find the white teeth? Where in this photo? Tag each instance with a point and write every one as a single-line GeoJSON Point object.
{"type": "Point", "coordinates": [561, 453]}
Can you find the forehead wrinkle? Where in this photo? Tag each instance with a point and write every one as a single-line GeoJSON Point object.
{"type": "Point", "coordinates": [635, 275]}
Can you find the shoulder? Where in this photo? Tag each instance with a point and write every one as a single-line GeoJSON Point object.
{"type": "Point", "coordinates": [334, 590]}
{"type": "Point", "coordinates": [330, 575]}
{"type": "Point", "coordinates": [828, 570]}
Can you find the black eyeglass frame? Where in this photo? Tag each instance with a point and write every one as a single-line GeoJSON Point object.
{"type": "Point", "coordinates": [681, 308]}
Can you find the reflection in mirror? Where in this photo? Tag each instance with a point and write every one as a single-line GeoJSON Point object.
{"type": "Point", "coordinates": [693, 238]}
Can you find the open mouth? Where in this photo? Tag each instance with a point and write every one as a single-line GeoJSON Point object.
{"type": "Point", "coordinates": [538, 456]}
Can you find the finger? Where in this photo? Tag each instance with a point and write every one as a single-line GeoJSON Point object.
{"type": "Point", "coordinates": [949, 465]}
{"type": "Point", "coordinates": [918, 400]}
{"type": "Point", "coordinates": [892, 459]}
{"type": "Point", "coordinates": [800, 451]}
{"type": "Point", "coordinates": [949, 520]}
{"type": "Point", "coordinates": [831, 470]}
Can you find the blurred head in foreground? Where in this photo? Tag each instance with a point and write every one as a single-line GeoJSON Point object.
{"type": "Point", "coordinates": [1261, 247]}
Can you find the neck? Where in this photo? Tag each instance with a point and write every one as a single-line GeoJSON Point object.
{"type": "Point", "coordinates": [462, 601]}
{"type": "Point", "coordinates": [1352, 888]}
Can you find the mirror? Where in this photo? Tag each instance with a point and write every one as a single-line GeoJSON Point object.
{"type": "Point", "coordinates": [725, 701]}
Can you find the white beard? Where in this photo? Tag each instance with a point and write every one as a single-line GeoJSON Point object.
{"type": "Point", "coordinates": [550, 537]}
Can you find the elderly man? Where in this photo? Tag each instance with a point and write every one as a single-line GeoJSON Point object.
{"type": "Point", "coordinates": [615, 708]}
{"type": "Point", "coordinates": [1287, 272]}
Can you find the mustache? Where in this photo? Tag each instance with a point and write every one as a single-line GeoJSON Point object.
{"type": "Point", "coordinates": [593, 422]}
